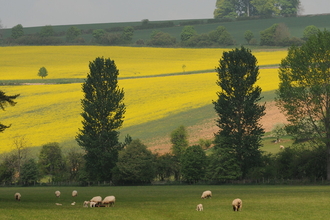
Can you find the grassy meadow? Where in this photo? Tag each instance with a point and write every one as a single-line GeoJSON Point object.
{"type": "Point", "coordinates": [155, 84]}
{"type": "Point", "coordinates": [169, 202]}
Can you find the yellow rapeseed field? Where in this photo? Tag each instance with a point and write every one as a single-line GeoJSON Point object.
{"type": "Point", "coordinates": [51, 113]}
{"type": "Point", "coordinates": [23, 62]}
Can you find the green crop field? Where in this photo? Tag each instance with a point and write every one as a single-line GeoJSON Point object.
{"type": "Point", "coordinates": [296, 27]}
{"type": "Point", "coordinates": [169, 202]}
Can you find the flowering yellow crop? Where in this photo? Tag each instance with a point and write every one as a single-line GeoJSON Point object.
{"type": "Point", "coordinates": [24, 62]}
{"type": "Point", "coordinates": [51, 113]}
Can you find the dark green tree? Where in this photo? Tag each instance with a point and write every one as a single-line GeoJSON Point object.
{"type": "Point", "coordinates": [17, 31]}
{"type": "Point", "coordinates": [46, 31]}
{"type": "Point", "coordinates": [304, 91]}
{"type": "Point", "coordinates": [127, 35]}
{"type": "Point", "coordinates": [187, 32]}
{"type": "Point", "coordinates": [75, 163]}
{"type": "Point", "coordinates": [165, 166]}
{"type": "Point", "coordinates": [4, 101]}
{"type": "Point", "coordinates": [72, 33]}
{"type": "Point", "coordinates": [238, 109]}
{"type": "Point", "coordinates": [248, 36]}
{"type": "Point", "coordinates": [159, 38]}
{"type": "Point", "coordinates": [42, 72]}
{"type": "Point", "coordinates": [30, 172]}
{"type": "Point", "coordinates": [51, 161]}
{"type": "Point", "coordinates": [194, 163]}
{"type": "Point", "coordinates": [179, 140]}
{"type": "Point", "coordinates": [309, 31]}
{"type": "Point", "coordinates": [103, 113]}
{"type": "Point", "coordinates": [136, 164]}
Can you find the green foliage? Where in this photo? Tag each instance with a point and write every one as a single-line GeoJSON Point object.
{"type": "Point", "coordinates": [17, 31]}
{"type": "Point", "coordinates": [304, 90]}
{"type": "Point", "coordinates": [238, 109]}
{"type": "Point", "coordinates": [103, 113]}
{"type": "Point", "coordinates": [51, 160]}
{"type": "Point", "coordinates": [179, 140]}
{"type": "Point", "coordinates": [46, 31]}
{"type": "Point", "coordinates": [248, 36]}
{"type": "Point", "coordinates": [135, 164]}
{"type": "Point", "coordinates": [278, 131]}
{"type": "Point", "coordinates": [289, 8]}
{"type": "Point", "coordinates": [223, 166]}
{"type": "Point", "coordinates": [310, 31]}
{"type": "Point", "coordinates": [159, 38]}
{"type": "Point", "coordinates": [42, 72]}
{"type": "Point", "coordinates": [265, 8]}
{"type": "Point", "coordinates": [224, 8]}
{"type": "Point", "coordinates": [194, 163]}
{"type": "Point", "coordinates": [127, 34]}
{"type": "Point", "coordinates": [29, 172]}
{"type": "Point", "coordinates": [166, 166]}
{"type": "Point", "coordinates": [187, 32]}
{"type": "Point", "coordinates": [72, 33]}
{"type": "Point", "coordinates": [267, 36]}
{"type": "Point", "coordinates": [4, 101]}
{"type": "Point", "coordinates": [75, 163]}
{"type": "Point", "coordinates": [98, 34]}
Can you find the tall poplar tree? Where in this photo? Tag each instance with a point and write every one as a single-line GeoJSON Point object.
{"type": "Point", "coordinates": [103, 113]}
{"type": "Point", "coordinates": [238, 110]}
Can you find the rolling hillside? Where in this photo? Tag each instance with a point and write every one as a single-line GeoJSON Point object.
{"type": "Point", "coordinates": [296, 26]}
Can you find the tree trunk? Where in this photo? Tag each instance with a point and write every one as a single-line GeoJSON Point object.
{"type": "Point", "coordinates": [328, 161]}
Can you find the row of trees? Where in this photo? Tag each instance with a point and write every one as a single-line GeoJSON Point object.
{"type": "Point", "coordinates": [261, 8]}
{"type": "Point", "coordinates": [303, 95]}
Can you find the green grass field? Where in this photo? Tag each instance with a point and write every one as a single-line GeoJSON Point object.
{"type": "Point", "coordinates": [169, 202]}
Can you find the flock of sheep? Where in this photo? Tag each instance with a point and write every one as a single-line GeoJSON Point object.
{"type": "Point", "coordinates": [237, 203]}
{"type": "Point", "coordinates": [94, 202]}
{"type": "Point", "coordinates": [110, 200]}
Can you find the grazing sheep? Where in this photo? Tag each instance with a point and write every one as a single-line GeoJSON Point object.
{"type": "Point", "coordinates": [206, 194]}
{"type": "Point", "coordinates": [85, 204]}
{"type": "Point", "coordinates": [92, 204]}
{"type": "Point", "coordinates": [281, 147]}
{"type": "Point", "coordinates": [74, 193]}
{"type": "Point", "coordinates": [57, 193]}
{"type": "Point", "coordinates": [237, 204]}
{"type": "Point", "coordinates": [96, 199]}
{"type": "Point", "coordinates": [109, 201]}
{"type": "Point", "coordinates": [58, 204]}
{"type": "Point", "coordinates": [18, 196]}
{"type": "Point", "coordinates": [199, 207]}
{"type": "Point", "coordinates": [74, 203]}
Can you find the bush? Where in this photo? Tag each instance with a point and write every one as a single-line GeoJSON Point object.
{"type": "Point", "coordinates": [159, 38]}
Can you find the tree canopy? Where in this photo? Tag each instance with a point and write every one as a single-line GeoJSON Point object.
{"type": "Point", "coordinates": [42, 72]}
{"type": "Point", "coordinates": [238, 110]}
{"type": "Point", "coordinates": [304, 91]}
{"type": "Point", "coordinates": [103, 113]}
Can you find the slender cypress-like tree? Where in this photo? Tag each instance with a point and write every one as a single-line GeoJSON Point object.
{"type": "Point", "coordinates": [239, 112]}
{"type": "Point", "coordinates": [103, 113]}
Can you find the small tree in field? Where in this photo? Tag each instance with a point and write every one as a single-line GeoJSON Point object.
{"type": "Point", "coordinates": [42, 72]}
{"type": "Point", "coordinates": [239, 135]}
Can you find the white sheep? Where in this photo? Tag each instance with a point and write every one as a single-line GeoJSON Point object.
{"type": "Point", "coordinates": [281, 147]}
{"type": "Point", "coordinates": [74, 193]}
{"type": "Point", "coordinates": [199, 207]}
{"type": "Point", "coordinates": [92, 204]}
{"type": "Point", "coordinates": [18, 196]}
{"type": "Point", "coordinates": [109, 201]}
{"type": "Point", "coordinates": [58, 204]}
{"type": "Point", "coordinates": [206, 194]}
{"type": "Point", "coordinates": [237, 204]}
{"type": "Point", "coordinates": [74, 203]}
{"type": "Point", "coordinates": [97, 200]}
{"type": "Point", "coordinates": [57, 193]}
{"type": "Point", "coordinates": [85, 204]}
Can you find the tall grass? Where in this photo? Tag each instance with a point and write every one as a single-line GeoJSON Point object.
{"type": "Point", "coordinates": [169, 202]}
